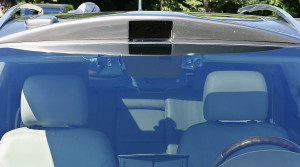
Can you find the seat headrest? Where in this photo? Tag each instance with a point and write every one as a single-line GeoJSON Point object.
{"type": "Point", "coordinates": [235, 96]}
{"type": "Point", "coordinates": [54, 101]}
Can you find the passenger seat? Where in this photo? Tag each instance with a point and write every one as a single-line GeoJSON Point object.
{"type": "Point", "coordinates": [52, 108]}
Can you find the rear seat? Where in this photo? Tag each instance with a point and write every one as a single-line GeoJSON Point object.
{"type": "Point", "coordinates": [183, 109]}
{"type": "Point", "coordinates": [153, 122]}
{"type": "Point", "coordinates": [140, 122]}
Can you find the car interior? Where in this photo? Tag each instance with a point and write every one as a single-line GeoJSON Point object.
{"type": "Point", "coordinates": [102, 114]}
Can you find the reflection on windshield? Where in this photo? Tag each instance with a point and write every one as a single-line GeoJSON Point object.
{"type": "Point", "coordinates": [180, 105]}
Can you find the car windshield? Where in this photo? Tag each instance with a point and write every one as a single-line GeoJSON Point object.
{"type": "Point", "coordinates": [156, 100]}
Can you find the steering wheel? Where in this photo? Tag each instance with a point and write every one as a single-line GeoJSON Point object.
{"type": "Point", "coordinates": [255, 140]}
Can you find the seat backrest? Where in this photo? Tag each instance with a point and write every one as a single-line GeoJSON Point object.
{"type": "Point", "coordinates": [154, 121]}
{"type": "Point", "coordinates": [140, 122]}
{"type": "Point", "coordinates": [183, 109]}
{"type": "Point", "coordinates": [51, 109]}
{"type": "Point", "coordinates": [234, 103]}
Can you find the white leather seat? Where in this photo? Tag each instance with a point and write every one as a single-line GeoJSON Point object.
{"type": "Point", "coordinates": [230, 99]}
{"type": "Point", "coordinates": [51, 108]}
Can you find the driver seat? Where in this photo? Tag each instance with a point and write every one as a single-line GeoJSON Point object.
{"type": "Point", "coordinates": [52, 108]}
{"type": "Point", "coordinates": [235, 107]}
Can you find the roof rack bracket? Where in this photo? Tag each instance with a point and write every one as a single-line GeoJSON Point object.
{"type": "Point", "coordinates": [282, 13]}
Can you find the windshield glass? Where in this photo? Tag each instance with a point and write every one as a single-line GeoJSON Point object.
{"type": "Point", "coordinates": [153, 101]}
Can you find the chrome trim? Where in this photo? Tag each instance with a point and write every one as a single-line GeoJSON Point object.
{"type": "Point", "coordinates": [32, 7]}
{"type": "Point", "coordinates": [12, 11]}
{"type": "Point", "coordinates": [282, 13]}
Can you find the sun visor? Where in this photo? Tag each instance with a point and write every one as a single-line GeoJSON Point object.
{"type": "Point", "coordinates": [153, 66]}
